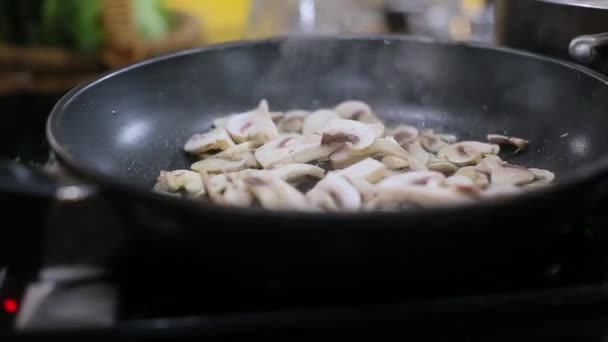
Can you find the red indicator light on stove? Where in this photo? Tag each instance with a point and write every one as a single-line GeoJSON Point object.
{"type": "Point", "coordinates": [10, 305]}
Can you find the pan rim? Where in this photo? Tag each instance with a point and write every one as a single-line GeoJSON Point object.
{"type": "Point", "coordinates": [587, 173]}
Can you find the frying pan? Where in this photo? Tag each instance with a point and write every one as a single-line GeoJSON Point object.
{"type": "Point", "coordinates": [118, 132]}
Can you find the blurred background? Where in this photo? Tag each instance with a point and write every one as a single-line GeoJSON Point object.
{"type": "Point", "coordinates": [49, 46]}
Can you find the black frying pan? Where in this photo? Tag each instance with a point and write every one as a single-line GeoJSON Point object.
{"type": "Point", "coordinates": [121, 130]}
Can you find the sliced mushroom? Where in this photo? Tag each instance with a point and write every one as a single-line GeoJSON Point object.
{"type": "Point", "coordinates": [358, 111]}
{"type": "Point", "coordinates": [236, 193]}
{"type": "Point", "coordinates": [542, 179]}
{"type": "Point", "coordinates": [411, 195]}
{"type": "Point", "coordinates": [395, 163]}
{"type": "Point", "coordinates": [501, 191]}
{"type": "Point", "coordinates": [519, 143]}
{"type": "Point", "coordinates": [293, 121]}
{"type": "Point", "coordinates": [433, 142]}
{"type": "Point", "coordinates": [542, 176]}
{"type": "Point", "coordinates": [221, 122]}
{"type": "Point", "coordinates": [215, 140]}
{"type": "Point", "coordinates": [459, 180]}
{"type": "Point", "coordinates": [403, 134]}
{"type": "Point", "coordinates": [414, 178]}
{"type": "Point", "coordinates": [316, 122]}
{"type": "Point", "coordinates": [381, 147]}
{"type": "Point", "coordinates": [511, 175]}
{"type": "Point", "coordinates": [293, 172]}
{"type": "Point", "coordinates": [448, 138]}
{"type": "Point", "coordinates": [275, 194]}
{"type": "Point", "coordinates": [368, 169]}
{"type": "Point", "coordinates": [441, 165]}
{"type": "Point", "coordinates": [467, 152]}
{"type": "Point", "coordinates": [502, 172]}
{"type": "Point", "coordinates": [217, 165]}
{"type": "Point", "coordinates": [478, 176]}
{"type": "Point", "coordinates": [255, 125]}
{"type": "Point", "coordinates": [177, 180]}
{"type": "Point", "coordinates": [352, 133]}
{"type": "Point", "coordinates": [490, 162]}
{"type": "Point", "coordinates": [335, 193]}
{"type": "Point", "coordinates": [276, 116]}
{"type": "Point", "coordinates": [215, 186]}
{"type": "Point", "coordinates": [346, 157]}
{"type": "Point", "coordinates": [293, 149]}
{"type": "Point", "coordinates": [236, 152]}
{"type": "Point", "coordinates": [419, 158]}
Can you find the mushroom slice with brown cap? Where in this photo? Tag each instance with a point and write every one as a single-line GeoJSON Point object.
{"type": "Point", "coordinates": [316, 122]}
{"type": "Point", "coordinates": [352, 133]}
{"type": "Point", "coordinates": [292, 121]}
{"type": "Point", "coordinates": [335, 193]}
{"type": "Point", "coordinates": [293, 149]}
{"type": "Point", "coordinates": [178, 180]}
{"type": "Point", "coordinates": [403, 134]}
{"type": "Point", "coordinates": [215, 140]}
{"type": "Point", "coordinates": [357, 111]}
{"type": "Point", "coordinates": [275, 194]}
{"type": "Point", "coordinates": [467, 152]}
{"type": "Point", "coordinates": [368, 169]}
{"type": "Point", "coordinates": [478, 176]}
{"type": "Point", "coordinates": [217, 165]}
{"type": "Point", "coordinates": [520, 144]}
{"type": "Point", "coordinates": [255, 125]}
{"type": "Point", "coordinates": [293, 172]}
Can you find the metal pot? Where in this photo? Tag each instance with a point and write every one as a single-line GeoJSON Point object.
{"type": "Point", "coordinates": [568, 29]}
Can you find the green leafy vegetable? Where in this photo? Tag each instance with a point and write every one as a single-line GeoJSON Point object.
{"type": "Point", "coordinates": [152, 20]}
{"type": "Point", "coordinates": [73, 24]}
{"type": "Point", "coordinates": [77, 24]}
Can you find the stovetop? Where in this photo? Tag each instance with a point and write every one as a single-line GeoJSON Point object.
{"type": "Point", "coordinates": [569, 301]}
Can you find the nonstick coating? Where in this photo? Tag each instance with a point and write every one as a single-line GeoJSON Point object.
{"type": "Point", "coordinates": [134, 123]}
{"type": "Point", "coordinates": [126, 127]}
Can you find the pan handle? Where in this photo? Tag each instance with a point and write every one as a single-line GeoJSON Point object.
{"type": "Point", "coordinates": [585, 49]}
{"type": "Point", "coordinates": [20, 181]}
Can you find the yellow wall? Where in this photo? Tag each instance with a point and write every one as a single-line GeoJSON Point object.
{"type": "Point", "coordinates": [222, 20]}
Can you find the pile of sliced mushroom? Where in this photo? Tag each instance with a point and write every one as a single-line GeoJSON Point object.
{"type": "Point", "coordinates": [343, 159]}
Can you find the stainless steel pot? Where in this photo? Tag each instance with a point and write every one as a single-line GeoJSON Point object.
{"type": "Point", "coordinates": [569, 29]}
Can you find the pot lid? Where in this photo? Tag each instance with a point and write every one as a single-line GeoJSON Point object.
{"type": "Point", "coordinates": [601, 4]}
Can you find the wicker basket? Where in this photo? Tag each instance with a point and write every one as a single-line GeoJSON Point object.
{"type": "Point", "coordinates": [48, 69]}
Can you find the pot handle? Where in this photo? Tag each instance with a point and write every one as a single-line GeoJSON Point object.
{"type": "Point", "coordinates": [584, 49]}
